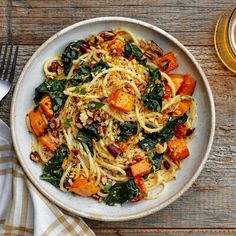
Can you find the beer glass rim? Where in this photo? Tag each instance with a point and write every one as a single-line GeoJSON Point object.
{"type": "Point", "coordinates": [231, 26]}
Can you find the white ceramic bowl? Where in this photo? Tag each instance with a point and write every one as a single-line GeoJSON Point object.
{"type": "Point", "coordinates": [32, 76]}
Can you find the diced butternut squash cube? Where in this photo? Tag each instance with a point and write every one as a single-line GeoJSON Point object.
{"type": "Point", "coordinates": [141, 168]}
{"type": "Point", "coordinates": [84, 188]}
{"type": "Point", "coordinates": [48, 142]}
{"type": "Point", "coordinates": [177, 150]}
{"type": "Point", "coordinates": [122, 101]}
{"type": "Point", "coordinates": [188, 86]}
{"type": "Point", "coordinates": [167, 62]}
{"type": "Point", "coordinates": [182, 108]}
{"type": "Point", "coordinates": [177, 80]}
{"type": "Point", "coordinates": [142, 187]}
{"type": "Point", "coordinates": [46, 105]}
{"type": "Point", "coordinates": [181, 131]}
{"type": "Point", "coordinates": [37, 122]}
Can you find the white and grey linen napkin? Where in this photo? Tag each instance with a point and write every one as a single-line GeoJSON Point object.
{"type": "Point", "coordinates": [23, 209]}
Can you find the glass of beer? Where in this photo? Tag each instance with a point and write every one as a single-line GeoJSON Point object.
{"type": "Point", "coordinates": [225, 38]}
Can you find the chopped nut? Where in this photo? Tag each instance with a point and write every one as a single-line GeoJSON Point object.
{"type": "Point", "coordinates": [107, 35]}
{"type": "Point", "coordinates": [150, 55]}
{"type": "Point", "coordinates": [89, 121]}
{"type": "Point", "coordinates": [113, 182]}
{"type": "Point", "coordinates": [54, 123]}
{"type": "Point", "coordinates": [104, 180]}
{"type": "Point", "coordinates": [155, 48]}
{"type": "Point", "coordinates": [142, 44]}
{"type": "Point", "coordinates": [34, 156]}
{"type": "Point", "coordinates": [83, 116]}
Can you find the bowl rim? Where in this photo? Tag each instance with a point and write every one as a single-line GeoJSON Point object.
{"type": "Point", "coordinates": [134, 215]}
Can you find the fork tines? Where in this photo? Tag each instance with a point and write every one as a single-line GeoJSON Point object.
{"type": "Point", "coordinates": [8, 62]}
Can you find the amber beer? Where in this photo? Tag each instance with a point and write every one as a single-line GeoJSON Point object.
{"type": "Point", "coordinates": [225, 38]}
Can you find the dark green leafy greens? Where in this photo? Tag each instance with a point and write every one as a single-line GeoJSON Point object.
{"type": "Point", "coordinates": [122, 193]}
{"type": "Point", "coordinates": [127, 129]}
{"type": "Point", "coordinates": [84, 73]}
{"type": "Point", "coordinates": [168, 131]}
{"type": "Point", "coordinates": [100, 66]}
{"type": "Point", "coordinates": [53, 88]}
{"type": "Point", "coordinates": [150, 140]}
{"type": "Point", "coordinates": [96, 105]}
{"type": "Point", "coordinates": [86, 135]}
{"type": "Point", "coordinates": [153, 94]}
{"type": "Point", "coordinates": [107, 186]}
{"type": "Point", "coordinates": [70, 53]}
{"type": "Point", "coordinates": [156, 160]}
{"type": "Point", "coordinates": [132, 51]}
{"type": "Point", "coordinates": [80, 90]}
{"type": "Point", "coordinates": [52, 171]}
{"type": "Point", "coordinates": [68, 123]}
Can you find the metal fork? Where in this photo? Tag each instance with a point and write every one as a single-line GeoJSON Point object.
{"type": "Point", "coordinates": [7, 69]}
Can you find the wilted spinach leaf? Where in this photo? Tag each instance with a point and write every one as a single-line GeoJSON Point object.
{"type": "Point", "coordinates": [127, 129]}
{"type": "Point", "coordinates": [70, 53]}
{"type": "Point", "coordinates": [53, 88]}
{"type": "Point", "coordinates": [168, 131]}
{"type": "Point", "coordinates": [52, 171]}
{"type": "Point", "coordinates": [121, 193]}
{"type": "Point", "coordinates": [153, 94]}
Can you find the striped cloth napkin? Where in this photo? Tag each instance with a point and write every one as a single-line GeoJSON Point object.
{"type": "Point", "coordinates": [25, 211]}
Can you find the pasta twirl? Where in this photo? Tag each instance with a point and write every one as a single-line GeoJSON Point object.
{"type": "Point", "coordinates": [110, 121]}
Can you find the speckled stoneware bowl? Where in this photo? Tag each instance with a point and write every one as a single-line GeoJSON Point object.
{"type": "Point", "coordinates": [32, 76]}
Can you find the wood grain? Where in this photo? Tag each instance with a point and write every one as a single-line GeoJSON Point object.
{"type": "Point", "coordinates": [164, 232]}
{"type": "Point", "coordinates": [34, 21]}
{"type": "Point", "coordinates": [209, 206]}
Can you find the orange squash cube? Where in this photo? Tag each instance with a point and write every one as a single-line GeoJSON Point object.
{"type": "Point", "coordinates": [46, 105]}
{"type": "Point", "coordinates": [48, 142]}
{"type": "Point", "coordinates": [182, 108]}
{"type": "Point", "coordinates": [177, 150]}
{"type": "Point", "coordinates": [177, 80]}
{"type": "Point", "coordinates": [122, 101]}
{"type": "Point", "coordinates": [188, 86]}
{"type": "Point", "coordinates": [37, 122]}
{"type": "Point", "coordinates": [84, 188]}
{"type": "Point", "coordinates": [141, 168]}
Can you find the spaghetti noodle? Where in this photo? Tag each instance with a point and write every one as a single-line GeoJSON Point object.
{"type": "Point", "coordinates": [110, 121]}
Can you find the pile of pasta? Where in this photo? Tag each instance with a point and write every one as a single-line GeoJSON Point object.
{"type": "Point", "coordinates": [110, 121]}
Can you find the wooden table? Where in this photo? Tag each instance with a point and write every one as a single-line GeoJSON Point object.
{"type": "Point", "coordinates": [209, 206]}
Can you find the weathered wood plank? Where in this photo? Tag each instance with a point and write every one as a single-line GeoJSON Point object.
{"type": "Point", "coordinates": [164, 232]}
{"type": "Point", "coordinates": [193, 22]}
{"type": "Point", "coordinates": [211, 201]}
{"type": "Point", "coordinates": [4, 23]}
